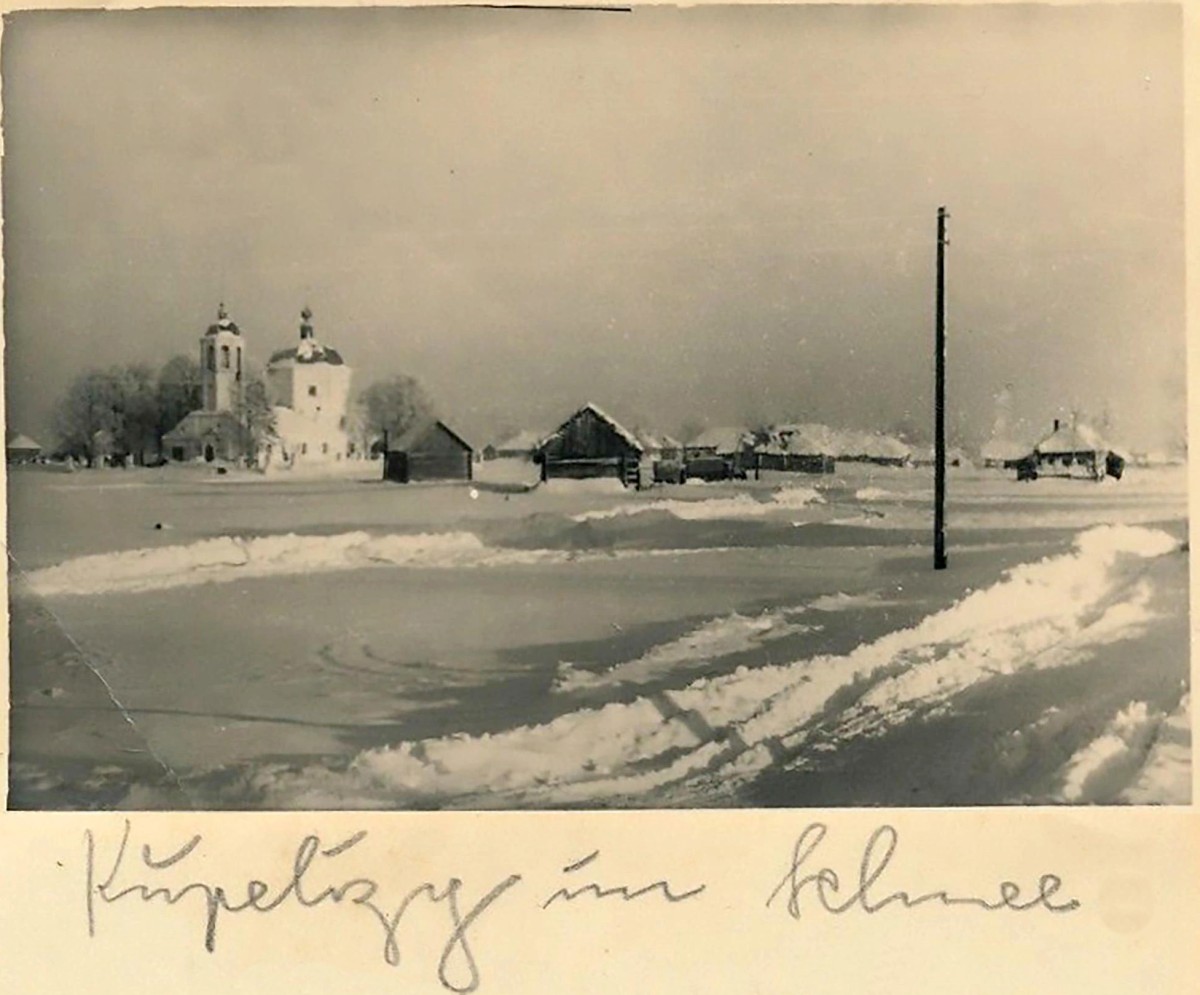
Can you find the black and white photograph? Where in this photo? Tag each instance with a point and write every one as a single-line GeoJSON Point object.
{"type": "Point", "coordinates": [639, 407]}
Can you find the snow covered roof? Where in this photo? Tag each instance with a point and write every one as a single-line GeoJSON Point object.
{"type": "Point", "coordinates": [301, 354]}
{"type": "Point", "coordinates": [724, 440]}
{"type": "Point", "coordinates": [198, 424]}
{"type": "Point", "coordinates": [22, 442]}
{"type": "Point", "coordinates": [813, 438]}
{"type": "Point", "coordinates": [522, 441]}
{"type": "Point", "coordinates": [653, 441]}
{"type": "Point", "coordinates": [309, 349]}
{"type": "Point", "coordinates": [1075, 438]}
{"type": "Point", "coordinates": [223, 323]}
{"type": "Point", "coordinates": [420, 432]}
{"type": "Point", "coordinates": [616, 426]}
{"type": "Point", "coordinates": [1003, 449]}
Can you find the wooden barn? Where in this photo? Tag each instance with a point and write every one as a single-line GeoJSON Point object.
{"type": "Point", "coordinates": [430, 451]}
{"type": "Point", "coordinates": [591, 444]}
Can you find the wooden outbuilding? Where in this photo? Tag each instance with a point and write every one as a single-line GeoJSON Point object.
{"type": "Point", "coordinates": [591, 444]}
{"type": "Point", "coordinates": [22, 449]}
{"type": "Point", "coordinates": [430, 451]}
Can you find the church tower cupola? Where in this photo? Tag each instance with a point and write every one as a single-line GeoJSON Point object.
{"type": "Point", "coordinates": [221, 364]}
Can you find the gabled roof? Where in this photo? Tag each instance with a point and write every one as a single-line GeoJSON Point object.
{"type": "Point", "coordinates": [418, 433]}
{"type": "Point", "coordinates": [815, 439]}
{"type": "Point", "coordinates": [1075, 438]}
{"type": "Point", "coordinates": [616, 426]}
{"type": "Point", "coordinates": [727, 439]}
{"type": "Point", "coordinates": [195, 424]}
{"type": "Point", "coordinates": [22, 442]}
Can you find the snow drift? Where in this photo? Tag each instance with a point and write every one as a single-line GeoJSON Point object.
{"type": "Point", "coordinates": [718, 637]}
{"type": "Point", "coordinates": [1101, 769]}
{"type": "Point", "coordinates": [703, 741]}
{"type": "Point", "coordinates": [741, 505]}
{"type": "Point", "coordinates": [234, 558]}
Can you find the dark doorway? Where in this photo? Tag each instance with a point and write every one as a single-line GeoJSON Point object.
{"type": "Point", "coordinates": [209, 453]}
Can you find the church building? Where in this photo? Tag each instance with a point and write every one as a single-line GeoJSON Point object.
{"type": "Point", "coordinates": [214, 432]}
{"type": "Point", "coordinates": [308, 386]}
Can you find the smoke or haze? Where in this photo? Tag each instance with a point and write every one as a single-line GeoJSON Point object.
{"type": "Point", "coordinates": [716, 214]}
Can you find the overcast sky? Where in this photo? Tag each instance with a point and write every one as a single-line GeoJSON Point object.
{"type": "Point", "coordinates": [723, 214]}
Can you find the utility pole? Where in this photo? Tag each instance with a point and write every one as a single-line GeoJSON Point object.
{"type": "Point", "coordinates": [939, 402]}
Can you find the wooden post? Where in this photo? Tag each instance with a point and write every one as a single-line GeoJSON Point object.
{"type": "Point", "coordinates": [939, 402]}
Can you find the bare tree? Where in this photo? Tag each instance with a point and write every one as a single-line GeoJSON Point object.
{"type": "Point", "coordinates": [393, 406]}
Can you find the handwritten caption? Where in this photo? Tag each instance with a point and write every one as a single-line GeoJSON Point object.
{"type": "Point", "coordinates": [119, 870]}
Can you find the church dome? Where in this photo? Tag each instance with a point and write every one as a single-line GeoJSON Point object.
{"type": "Point", "coordinates": [309, 349]}
{"type": "Point", "coordinates": [223, 323]}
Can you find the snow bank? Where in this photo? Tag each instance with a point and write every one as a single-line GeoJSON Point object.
{"type": "Point", "coordinates": [841, 602]}
{"type": "Point", "coordinates": [1166, 776]}
{"type": "Point", "coordinates": [872, 494]}
{"type": "Point", "coordinates": [234, 558]}
{"type": "Point", "coordinates": [716, 638]}
{"type": "Point", "coordinates": [593, 485]}
{"type": "Point", "coordinates": [715, 733]}
{"type": "Point", "coordinates": [1097, 772]}
{"type": "Point", "coordinates": [741, 505]}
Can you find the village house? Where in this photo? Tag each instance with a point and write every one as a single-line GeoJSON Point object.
{"type": "Point", "coordinates": [1074, 450]}
{"type": "Point", "coordinates": [428, 451]}
{"type": "Point", "coordinates": [591, 444]}
{"type": "Point", "coordinates": [719, 454]}
{"type": "Point", "coordinates": [796, 449]}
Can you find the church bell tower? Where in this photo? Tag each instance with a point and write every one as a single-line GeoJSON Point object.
{"type": "Point", "coordinates": [221, 364]}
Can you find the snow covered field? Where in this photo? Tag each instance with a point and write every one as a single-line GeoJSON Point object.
{"type": "Point", "coordinates": [186, 640]}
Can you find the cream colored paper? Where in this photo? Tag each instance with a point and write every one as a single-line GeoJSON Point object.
{"type": "Point", "coordinates": [1135, 874]}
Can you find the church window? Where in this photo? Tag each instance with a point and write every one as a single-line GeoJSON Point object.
{"type": "Point", "coordinates": [212, 357]}
{"type": "Point", "coordinates": [312, 390]}
{"type": "Point", "coordinates": [239, 362]}
{"type": "Point", "coordinates": [304, 449]}
{"type": "Point", "coordinates": [224, 357]}
{"type": "Point", "coordinates": [324, 448]}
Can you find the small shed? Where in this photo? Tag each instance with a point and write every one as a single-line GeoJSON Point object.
{"type": "Point", "coordinates": [429, 451]}
{"type": "Point", "coordinates": [591, 444]}
{"type": "Point", "coordinates": [22, 449]}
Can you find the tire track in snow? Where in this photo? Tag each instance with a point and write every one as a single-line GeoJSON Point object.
{"type": "Point", "coordinates": [715, 734]}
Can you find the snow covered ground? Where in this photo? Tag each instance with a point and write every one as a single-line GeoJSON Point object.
{"type": "Point", "coordinates": [349, 643]}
